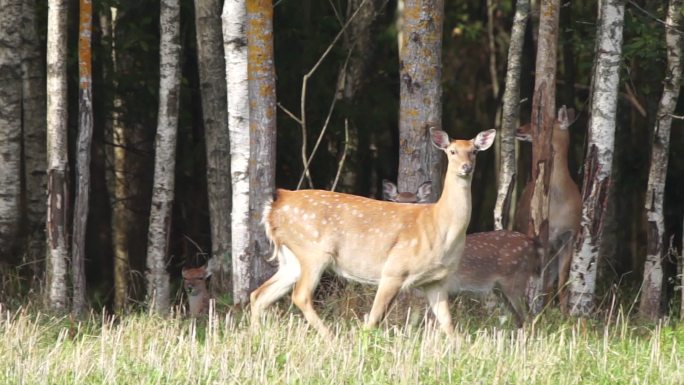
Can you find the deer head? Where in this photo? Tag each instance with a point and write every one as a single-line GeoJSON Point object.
{"type": "Point", "coordinates": [195, 286]}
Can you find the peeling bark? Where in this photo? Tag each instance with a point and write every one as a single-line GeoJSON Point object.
{"type": "Point", "coordinates": [85, 136]}
{"type": "Point", "coordinates": [212, 67]}
{"type": "Point", "coordinates": [420, 106]}
{"type": "Point", "coordinates": [165, 157]}
{"type": "Point", "coordinates": [235, 46]}
{"type": "Point", "coordinates": [57, 155]}
{"type": "Point", "coordinates": [543, 118]}
{"type": "Point", "coordinates": [510, 117]}
{"type": "Point", "coordinates": [598, 161]}
{"type": "Point", "coordinates": [262, 122]}
{"type": "Point", "coordinates": [652, 287]}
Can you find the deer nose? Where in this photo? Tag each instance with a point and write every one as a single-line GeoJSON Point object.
{"type": "Point", "coordinates": [467, 168]}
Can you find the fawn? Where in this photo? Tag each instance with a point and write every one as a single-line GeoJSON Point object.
{"type": "Point", "coordinates": [195, 286]}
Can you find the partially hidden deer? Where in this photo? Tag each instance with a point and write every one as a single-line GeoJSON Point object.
{"type": "Point", "coordinates": [195, 286]}
{"type": "Point", "coordinates": [391, 245]}
{"type": "Point", "coordinates": [502, 259]}
{"type": "Point", "coordinates": [565, 202]}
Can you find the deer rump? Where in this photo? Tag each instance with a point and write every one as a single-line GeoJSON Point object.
{"type": "Point", "coordinates": [382, 238]}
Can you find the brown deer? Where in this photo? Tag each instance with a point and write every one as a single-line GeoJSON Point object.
{"type": "Point", "coordinates": [391, 245]}
{"type": "Point", "coordinates": [195, 286]}
{"type": "Point", "coordinates": [502, 259]}
{"type": "Point", "coordinates": [565, 202]}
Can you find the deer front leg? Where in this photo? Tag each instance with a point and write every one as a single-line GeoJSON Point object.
{"type": "Point", "coordinates": [387, 290]}
{"type": "Point", "coordinates": [438, 299]}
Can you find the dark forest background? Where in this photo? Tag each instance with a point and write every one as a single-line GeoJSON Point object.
{"type": "Point", "coordinates": [302, 31]}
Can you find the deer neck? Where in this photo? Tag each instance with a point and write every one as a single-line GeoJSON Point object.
{"type": "Point", "coordinates": [560, 159]}
{"type": "Point", "coordinates": [452, 210]}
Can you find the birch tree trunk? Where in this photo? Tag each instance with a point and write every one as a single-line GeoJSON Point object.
{"type": "Point", "coordinates": [262, 121]}
{"type": "Point", "coordinates": [85, 136]}
{"type": "Point", "coordinates": [10, 123]}
{"type": "Point", "coordinates": [543, 118]}
{"type": "Point", "coordinates": [116, 173]}
{"type": "Point", "coordinates": [235, 46]}
{"type": "Point", "coordinates": [212, 67]}
{"type": "Point", "coordinates": [57, 203]}
{"type": "Point", "coordinates": [35, 159]}
{"type": "Point", "coordinates": [165, 157]}
{"type": "Point", "coordinates": [420, 106]}
{"type": "Point", "coordinates": [651, 291]}
{"type": "Point", "coordinates": [510, 117]}
{"type": "Point", "coordinates": [599, 158]}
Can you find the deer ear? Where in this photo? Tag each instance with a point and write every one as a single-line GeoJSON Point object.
{"type": "Point", "coordinates": [440, 139]}
{"type": "Point", "coordinates": [424, 192]}
{"type": "Point", "coordinates": [184, 272]}
{"type": "Point", "coordinates": [207, 272]}
{"type": "Point", "coordinates": [389, 190]}
{"type": "Point", "coordinates": [484, 140]}
{"type": "Point", "coordinates": [522, 133]}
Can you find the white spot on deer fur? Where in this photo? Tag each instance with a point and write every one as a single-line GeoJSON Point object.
{"type": "Point", "coordinates": [414, 242]}
{"type": "Point", "coordinates": [286, 208]}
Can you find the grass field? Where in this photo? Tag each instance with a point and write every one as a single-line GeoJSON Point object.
{"type": "Point", "coordinates": [144, 349]}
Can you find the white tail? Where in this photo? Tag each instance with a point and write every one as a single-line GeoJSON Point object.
{"type": "Point", "coordinates": [503, 259]}
{"type": "Point", "coordinates": [565, 202]}
{"type": "Point", "coordinates": [394, 246]}
{"type": "Point", "coordinates": [195, 286]}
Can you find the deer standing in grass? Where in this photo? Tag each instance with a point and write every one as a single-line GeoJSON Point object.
{"type": "Point", "coordinates": [394, 246]}
{"type": "Point", "coordinates": [565, 203]}
{"type": "Point", "coordinates": [502, 259]}
{"type": "Point", "coordinates": [195, 286]}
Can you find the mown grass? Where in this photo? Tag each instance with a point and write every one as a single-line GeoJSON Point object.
{"type": "Point", "coordinates": [145, 349]}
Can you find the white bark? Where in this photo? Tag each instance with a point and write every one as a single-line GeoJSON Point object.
{"type": "Point", "coordinates": [57, 153]}
{"type": "Point", "coordinates": [652, 286]}
{"type": "Point", "coordinates": [215, 113]}
{"type": "Point", "coordinates": [10, 122]}
{"type": "Point", "coordinates": [165, 157]}
{"type": "Point", "coordinates": [235, 46]}
{"type": "Point", "coordinates": [35, 157]}
{"type": "Point", "coordinates": [598, 162]}
{"type": "Point", "coordinates": [510, 117]}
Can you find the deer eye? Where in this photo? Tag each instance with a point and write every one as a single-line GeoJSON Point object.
{"type": "Point", "coordinates": [452, 152]}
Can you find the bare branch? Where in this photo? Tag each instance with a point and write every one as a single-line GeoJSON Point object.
{"type": "Point", "coordinates": [305, 81]}
{"type": "Point", "coordinates": [325, 125]}
{"type": "Point", "coordinates": [344, 155]}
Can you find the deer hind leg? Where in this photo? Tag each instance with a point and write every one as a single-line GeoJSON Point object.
{"type": "Point", "coordinates": [302, 296]}
{"type": "Point", "coordinates": [438, 298]}
{"type": "Point", "coordinates": [289, 271]}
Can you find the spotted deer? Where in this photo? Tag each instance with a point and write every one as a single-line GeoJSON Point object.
{"type": "Point", "coordinates": [195, 286]}
{"type": "Point", "coordinates": [565, 202]}
{"type": "Point", "coordinates": [502, 259]}
{"type": "Point", "coordinates": [391, 245]}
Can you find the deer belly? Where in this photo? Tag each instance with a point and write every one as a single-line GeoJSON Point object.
{"type": "Point", "coordinates": [363, 272]}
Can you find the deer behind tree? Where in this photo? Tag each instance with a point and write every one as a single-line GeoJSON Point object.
{"type": "Point", "coordinates": [565, 203]}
